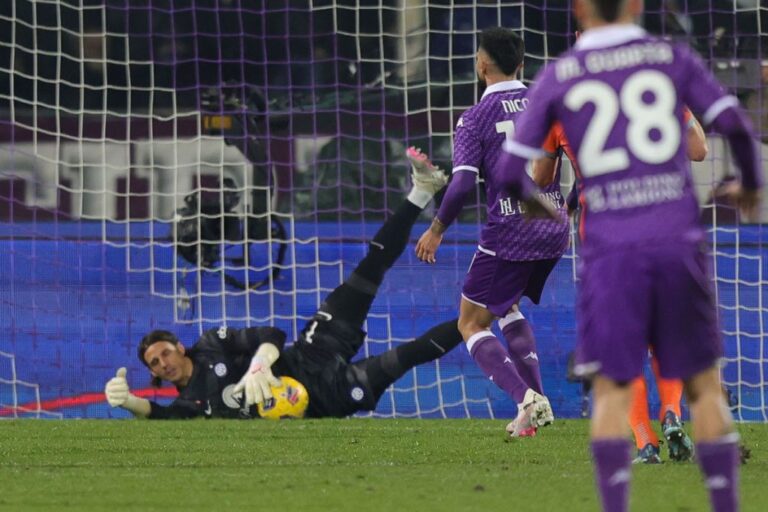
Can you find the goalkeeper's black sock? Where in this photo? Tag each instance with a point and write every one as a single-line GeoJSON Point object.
{"type": "Point", "coordinates": [387, 245]}
{"type": "Point", "coordinates": [352, 300]}
{"type": "Point", "coordinates": [385, 369]}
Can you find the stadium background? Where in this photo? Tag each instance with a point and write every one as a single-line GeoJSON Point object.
{"type": "Point", "coordinates": [103, 135]}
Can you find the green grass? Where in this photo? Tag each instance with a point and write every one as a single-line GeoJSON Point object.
{"type": "Point", "coordinates": [356, 464]}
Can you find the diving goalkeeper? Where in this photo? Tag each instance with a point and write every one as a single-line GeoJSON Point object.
{"type": "Point", "coordinates": [230, 371]}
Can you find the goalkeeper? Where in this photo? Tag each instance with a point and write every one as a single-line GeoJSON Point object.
{"type": "Point", "coordinates": [229, 371]}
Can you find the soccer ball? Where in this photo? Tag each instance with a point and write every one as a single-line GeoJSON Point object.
{"type": "Point", "coordinates": [290, 400]}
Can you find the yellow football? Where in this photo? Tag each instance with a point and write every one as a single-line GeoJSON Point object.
{"type": "Point", "coordinates": [290, 400]}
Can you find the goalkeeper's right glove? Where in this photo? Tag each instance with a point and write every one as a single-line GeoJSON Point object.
{"type": "Point", "coordinates": [257, 382]}
{"type": "Point", "coordinates": [119, 395]}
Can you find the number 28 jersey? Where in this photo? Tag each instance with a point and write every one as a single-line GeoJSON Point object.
{"type": "Point", "coordinates": [620, 95]}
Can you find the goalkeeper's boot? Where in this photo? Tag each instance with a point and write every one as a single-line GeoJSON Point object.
{"type": "Point", "coordinates": [535, 411]}
{"type": "Point", "coordinates": [425, 175]}
{"type": "Point", "coordinates": [649, 454]}
{"type": "Point", "coordinates": [680, 445]}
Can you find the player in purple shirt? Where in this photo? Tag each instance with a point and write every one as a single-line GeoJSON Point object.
{"type": "Point", "coordinates": [620, 95]}
{"type": "Point", "coordinates": [515, 254]}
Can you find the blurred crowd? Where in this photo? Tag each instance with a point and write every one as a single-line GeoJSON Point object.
{"type": "Point", "coordinates": [140, 55]}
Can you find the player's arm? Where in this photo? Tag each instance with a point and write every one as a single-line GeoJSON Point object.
{"type": "Point", "coordinates": [545, 167]}
{"type": "Point", "coordinates": [516, 183]}
{"type": "Point", "coordinates": [119, 394]}
{"type": "Point", "coordinates": [697, 139]}
{"type": "Point", "coordinates": [544, 170]}
{"type": "Point", "coordinates": [572, 201]}
{"type": "Point", "coordinates": [531, 129]}
{"type": "Point", "coordinates": [722, 112]}
{"type": "Point", "coordinates": [737, 130]}
{"type": "Point", "coordinates": [462, 182]}
{"type": "Point", "coordinates": [467, 157]}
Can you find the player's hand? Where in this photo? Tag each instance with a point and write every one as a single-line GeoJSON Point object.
{"type": "Point", "coordinates": [257, 383]}
{"type": "Point", "coordinates": [426, 247]}
{"type": "Point", "coordinates": [117, 390]}
{"type": "Point", "coordinates": [748, 201]}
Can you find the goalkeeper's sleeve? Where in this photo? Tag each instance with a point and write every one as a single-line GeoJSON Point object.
{"type": "Point", "coordinates": [119, 395]}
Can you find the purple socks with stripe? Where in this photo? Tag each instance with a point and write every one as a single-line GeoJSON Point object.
{"type": "Point", "coordinates": [612, 460]}
{"type": "Point", "coordinates": [719, 461]}
{"type": "Point", "coordinates": [522, 348]}
{"type": "Point", "coordinates": [491, 356]}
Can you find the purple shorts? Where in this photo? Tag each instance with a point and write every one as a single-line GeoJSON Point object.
{"type": "Point", "coordinates": [498, 284]}
{"type": "Point", "coordinates": [659, 296]}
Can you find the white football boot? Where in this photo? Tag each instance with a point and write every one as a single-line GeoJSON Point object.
{"type": "Point", "coordinates": [426, 175]}
{"type": "Point", "coordinates": [534, 412]}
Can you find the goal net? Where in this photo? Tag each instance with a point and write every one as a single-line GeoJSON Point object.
{"type": "Point", "coordinates": [191, 163]}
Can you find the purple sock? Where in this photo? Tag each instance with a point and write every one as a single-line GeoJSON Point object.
{"type": "Point", "coordinates": [719, 461]}
{"type": "Point", "coordinates": [522, 347]}
{"type": "Point", "coordinates": [612, 461]}
{"type": "Point", "coordinates": [491, 356]}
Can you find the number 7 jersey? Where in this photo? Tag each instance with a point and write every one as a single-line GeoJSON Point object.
{"type": "Point", "coordinates": [620, 96]}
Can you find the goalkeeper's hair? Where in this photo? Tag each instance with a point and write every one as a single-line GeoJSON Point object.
{"type": "Point", "coordinates": [609, 10]}
{"type": "Point", "coordinates": [505, 47]}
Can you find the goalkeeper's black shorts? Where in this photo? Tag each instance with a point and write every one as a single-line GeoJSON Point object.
{"type": "Point", "coordinates": [320, 360]}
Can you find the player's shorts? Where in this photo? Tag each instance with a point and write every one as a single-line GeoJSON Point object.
{"type": "Point", "coordinates": [498, 284]}
{"type": "Point", "coordinates": [660, 295]}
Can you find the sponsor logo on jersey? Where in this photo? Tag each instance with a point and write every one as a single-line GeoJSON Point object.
{"type": "Point", "coordinates": [220, 369]}
{"type": "Point", "coordinates": [229, 398]}
{"type": "Point", "coordinates": [357, 393]}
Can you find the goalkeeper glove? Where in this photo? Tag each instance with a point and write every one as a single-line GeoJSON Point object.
{"type": "Point", "coordinates": [119, 395]}
{"type": "Point", "coordinates": [258, 380]}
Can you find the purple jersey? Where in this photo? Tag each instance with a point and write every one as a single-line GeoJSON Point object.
{"type": "Point", "coordinates": [480, 134]}
{"type": "Point", "coordinates": [620, 96]}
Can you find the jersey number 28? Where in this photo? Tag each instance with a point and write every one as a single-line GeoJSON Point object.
{"type": "Point", "coordinates": [647, 99]}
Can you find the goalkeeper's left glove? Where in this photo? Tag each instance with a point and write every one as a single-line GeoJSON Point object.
{"type": "Point", "coordinates": [258, 380]}
{"type": "Point", "coordinates": [119, 395]}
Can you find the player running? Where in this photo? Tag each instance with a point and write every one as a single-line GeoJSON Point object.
{"type": "Point", "coordinates": [515, 255]}
{"type": "Point", "coordinates": [620, 95]}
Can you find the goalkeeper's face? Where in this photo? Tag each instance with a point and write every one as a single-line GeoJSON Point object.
{"type": "Point", "coordinates": [167, 361]}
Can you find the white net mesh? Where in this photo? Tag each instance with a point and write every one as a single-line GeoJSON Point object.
{"type": "Point", "coordinates": [128, 129]}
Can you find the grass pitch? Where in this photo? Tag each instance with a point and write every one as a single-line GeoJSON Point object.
{"type": "Point", "coordinates": [335, 465]}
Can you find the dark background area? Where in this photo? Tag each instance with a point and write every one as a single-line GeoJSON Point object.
{"type": "Point", "coordinates": [287, 49]}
